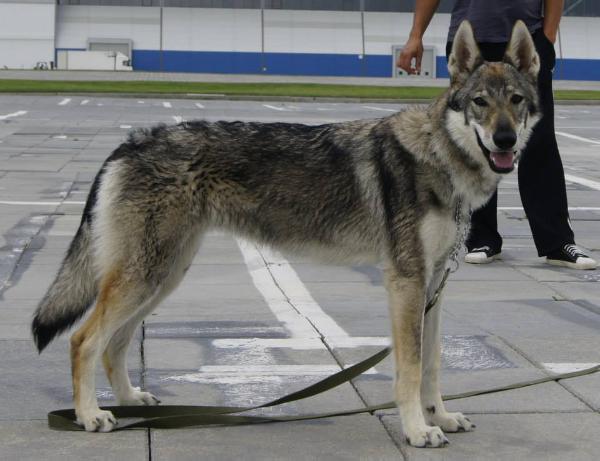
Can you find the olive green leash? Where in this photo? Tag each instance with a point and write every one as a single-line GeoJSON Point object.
{"type": "Point", "coordinates": [179, 416]}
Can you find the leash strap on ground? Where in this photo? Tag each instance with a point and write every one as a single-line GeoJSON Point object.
{"type": "Point", "coordinates": [179, 416]}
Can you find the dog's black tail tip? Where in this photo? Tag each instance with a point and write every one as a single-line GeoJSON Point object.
{"type": "Point", "coordinates": [42, 334]}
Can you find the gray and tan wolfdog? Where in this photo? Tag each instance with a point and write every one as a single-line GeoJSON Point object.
{"type": "Point", "coordinates": [395, 190]}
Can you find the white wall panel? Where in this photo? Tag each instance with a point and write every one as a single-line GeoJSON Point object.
{"type": "Point", "coordinates": [26, 34]}
{"type": "Point", "coordinates": [382, 30]}
{"type": "Point", "coordinates": [77, 23]}
{"type": "Point", "coordinates": [580, 38]}
{"type": "Point", "coordinates": [211, 29]}
{"type": "Point", "coordinates": [313, 32]}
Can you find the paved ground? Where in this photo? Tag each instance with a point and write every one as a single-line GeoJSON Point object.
{"type": "Point", "coordinates": [230, 335]}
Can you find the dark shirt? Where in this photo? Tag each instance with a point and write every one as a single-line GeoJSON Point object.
{"type": "Point", "coordinates": [493, 20]}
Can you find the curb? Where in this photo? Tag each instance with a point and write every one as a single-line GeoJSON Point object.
{"type": "Point", "coordinates": [226, 97]}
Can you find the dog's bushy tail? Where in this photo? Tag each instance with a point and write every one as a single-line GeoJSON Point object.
{"type": "Point", "coordinates": [72, 292]}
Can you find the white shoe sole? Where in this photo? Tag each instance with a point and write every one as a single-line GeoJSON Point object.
{"type": "Point", "coordinates": [587, 264]}
{"type": "Point", "coordinates": [480, 257]}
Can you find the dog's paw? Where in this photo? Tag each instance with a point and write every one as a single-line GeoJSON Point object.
{"type": "Point", "coordinates": [137, 397]}
{"type": "Point", "coordinates": [98, 421]}
{"type": "Point", "coordinates": [452, 422]}
{"type": "Point", "coordinates": [426, 436]}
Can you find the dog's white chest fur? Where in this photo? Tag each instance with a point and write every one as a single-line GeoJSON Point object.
{"type": "Point", "coordinates": [438, 236]}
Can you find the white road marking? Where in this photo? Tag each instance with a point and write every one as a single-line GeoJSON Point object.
{"type": "Point", "coordinates": [59, 136]}
{"type": "Point", "coordinates": [199, 106]}
{"type": "Point", "coordinates": [283, 109]}
{"type": "Point", "coordinates": [14, 114]}
{"type": "Point", "coordinates": [140, 102]}
{"type": "Point", "coordinates": [583, 181]}
{"type": "Point", "coordinates": [167, 104]}
{"type": "Point", "coordinates": [24, 203]}
{"type": "Point", "coordinates": [296, 324]}
{"type": "Point", "coordinates": [380, 108]}
{"type": "Point", "coordinates": [566, 367]}
{"type": "Point", "coordinates": [578, 138]}
{"type": "Point", "coordinates": [84, 102]}
{"type": "Point", "coordinates": [241, 374]}
{"type": "Point", "coordinates": [300, 297]}
{"type": "Point", "coordinates": [571, 208]}
{"type": "Point", "coordinates": [178, 119]}
{"type": "Point", "coordinates": [64, 102]}
{"type": "Point", "coordinates": [125, 127]}
{"type": "Point", "coordinates": [261, 344]}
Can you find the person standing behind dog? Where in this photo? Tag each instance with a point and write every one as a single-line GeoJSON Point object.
{"type": "Point", "coordinates": [540, 175]}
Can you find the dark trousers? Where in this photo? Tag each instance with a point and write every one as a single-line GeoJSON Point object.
{"type": "Point", "coordinates": [541, 176]}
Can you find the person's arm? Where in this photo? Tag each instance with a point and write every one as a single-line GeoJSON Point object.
{"type": "Point", "coordinates": [552, 13]}
{"type": "Point", "coordinates": [424, 10]}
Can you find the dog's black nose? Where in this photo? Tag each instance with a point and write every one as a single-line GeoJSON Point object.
{"type": "Point", "coordinates": [505, 139]}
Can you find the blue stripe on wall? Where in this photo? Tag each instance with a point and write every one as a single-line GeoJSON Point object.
{"type": "Point", "coordinates": [269, 63]}
{"type": "Point", "coordinates": [345, 65]}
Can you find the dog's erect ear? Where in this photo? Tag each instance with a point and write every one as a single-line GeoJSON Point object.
{"type": "Point", "coordinates": [465, 56]}
{"type": "Point", "coordinates": [520, 51]}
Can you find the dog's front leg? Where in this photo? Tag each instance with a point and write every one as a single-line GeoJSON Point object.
{"type": "Point", "coordinates": [431, 398]}
{"type": "Point", "coordinates": [407, 303]}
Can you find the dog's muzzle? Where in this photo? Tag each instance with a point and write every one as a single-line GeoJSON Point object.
{"type": "Point", "coordinates": [500, 161]}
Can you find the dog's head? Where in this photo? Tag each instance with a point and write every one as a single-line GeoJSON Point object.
{"type": "Point", "coordinates": [492, 106]}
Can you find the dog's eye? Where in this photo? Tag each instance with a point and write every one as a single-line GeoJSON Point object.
{"type": "Point", "coordinates": [516, 98]}
{"type": "Point", "coordinates": [480, 101]}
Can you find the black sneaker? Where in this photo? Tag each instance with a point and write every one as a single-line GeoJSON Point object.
{"type": "Point", "coordinates": [570, 255]}
{"type": "Point", "coordinates": [482, 255]}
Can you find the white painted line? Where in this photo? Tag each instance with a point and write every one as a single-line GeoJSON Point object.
{"type": "Point", "coordinates": [299, 296]}
{"type": "Point", "coordinates": [583, 181]}
{"type": "Point", "coordinates": [380, 108]}
{"type": "Point", "coordinates": [578, 138]}
{"type": "Point", "coordinates": [297, 325]}
{"type": "Point", "coordinates": [566, 367]}
{"type": "Point", "coordinates": [125, 127]}
{"type": "Point", "coordinates": [84, 102]}
{"type": "Point", "coordinates": [140, 102]}
{"type": "Point", "coordinates": [199, 106]}
{"type": "Point", "coordinates": [283, 109]}
{"type": "Point", "coordinates": [260, 344]}
{"type": "Point", "coordinates": [571, 208]}
{"type": "Point", "coordinates": [178, 119]}
{"type": "Point", "coordinates": [241, 374]}
{"type": "Point", "coordinates": [167, 104]}
{"type": "Point", "coordinates": [59, 136]}
{"type": "Point", "coordinates": [24, 203]}
{"type": "Point", "coordinates": [64, 102]}
{"type": "Point", "coordinates": [14, 114]}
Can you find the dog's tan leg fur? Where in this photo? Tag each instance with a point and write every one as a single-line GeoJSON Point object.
{"type": "Point", "coordinates": [115, 306]}
{"type": "Point", "coordinates": [407, 303]}
{"type": "Point", "coordinates": [114, 360]}
{"type": "Point", "coordinates": [431, 397]}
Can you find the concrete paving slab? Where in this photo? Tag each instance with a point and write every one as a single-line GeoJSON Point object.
{"type": "Point", "coordinates": [33, 440]}
{"type": "Point", "coordinates": [510, 437]}
{"type": "Point", "coordinates": [357, 437]}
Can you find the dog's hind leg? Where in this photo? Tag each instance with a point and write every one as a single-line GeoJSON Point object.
{"type": "Point", "coordinates": [407, 304]}
{"type": "Point", "coordinates": [121, 295]}
{"type": "Point", "coordinates": [431, 398]}
{"type": "Point", "coordinates": [115, 355]}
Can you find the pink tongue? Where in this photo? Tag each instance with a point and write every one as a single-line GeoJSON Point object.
{"type": "Point", "coordinates": [503, 159]}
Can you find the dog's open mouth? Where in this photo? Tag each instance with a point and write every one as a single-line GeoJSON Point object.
{"type": "Point", "coordinates": [500, 161]}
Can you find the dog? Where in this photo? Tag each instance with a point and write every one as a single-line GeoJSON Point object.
{"type": "Point", "coordinates": [396, 190]}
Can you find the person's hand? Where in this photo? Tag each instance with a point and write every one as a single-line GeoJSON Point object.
{"type": "Point", "coordinates": [550, 34]}
{"type": "Point", "coordinates": [412, 50]}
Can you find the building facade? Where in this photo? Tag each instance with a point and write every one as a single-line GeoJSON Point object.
{"type": "Point", "coordinates": [285, 37]}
